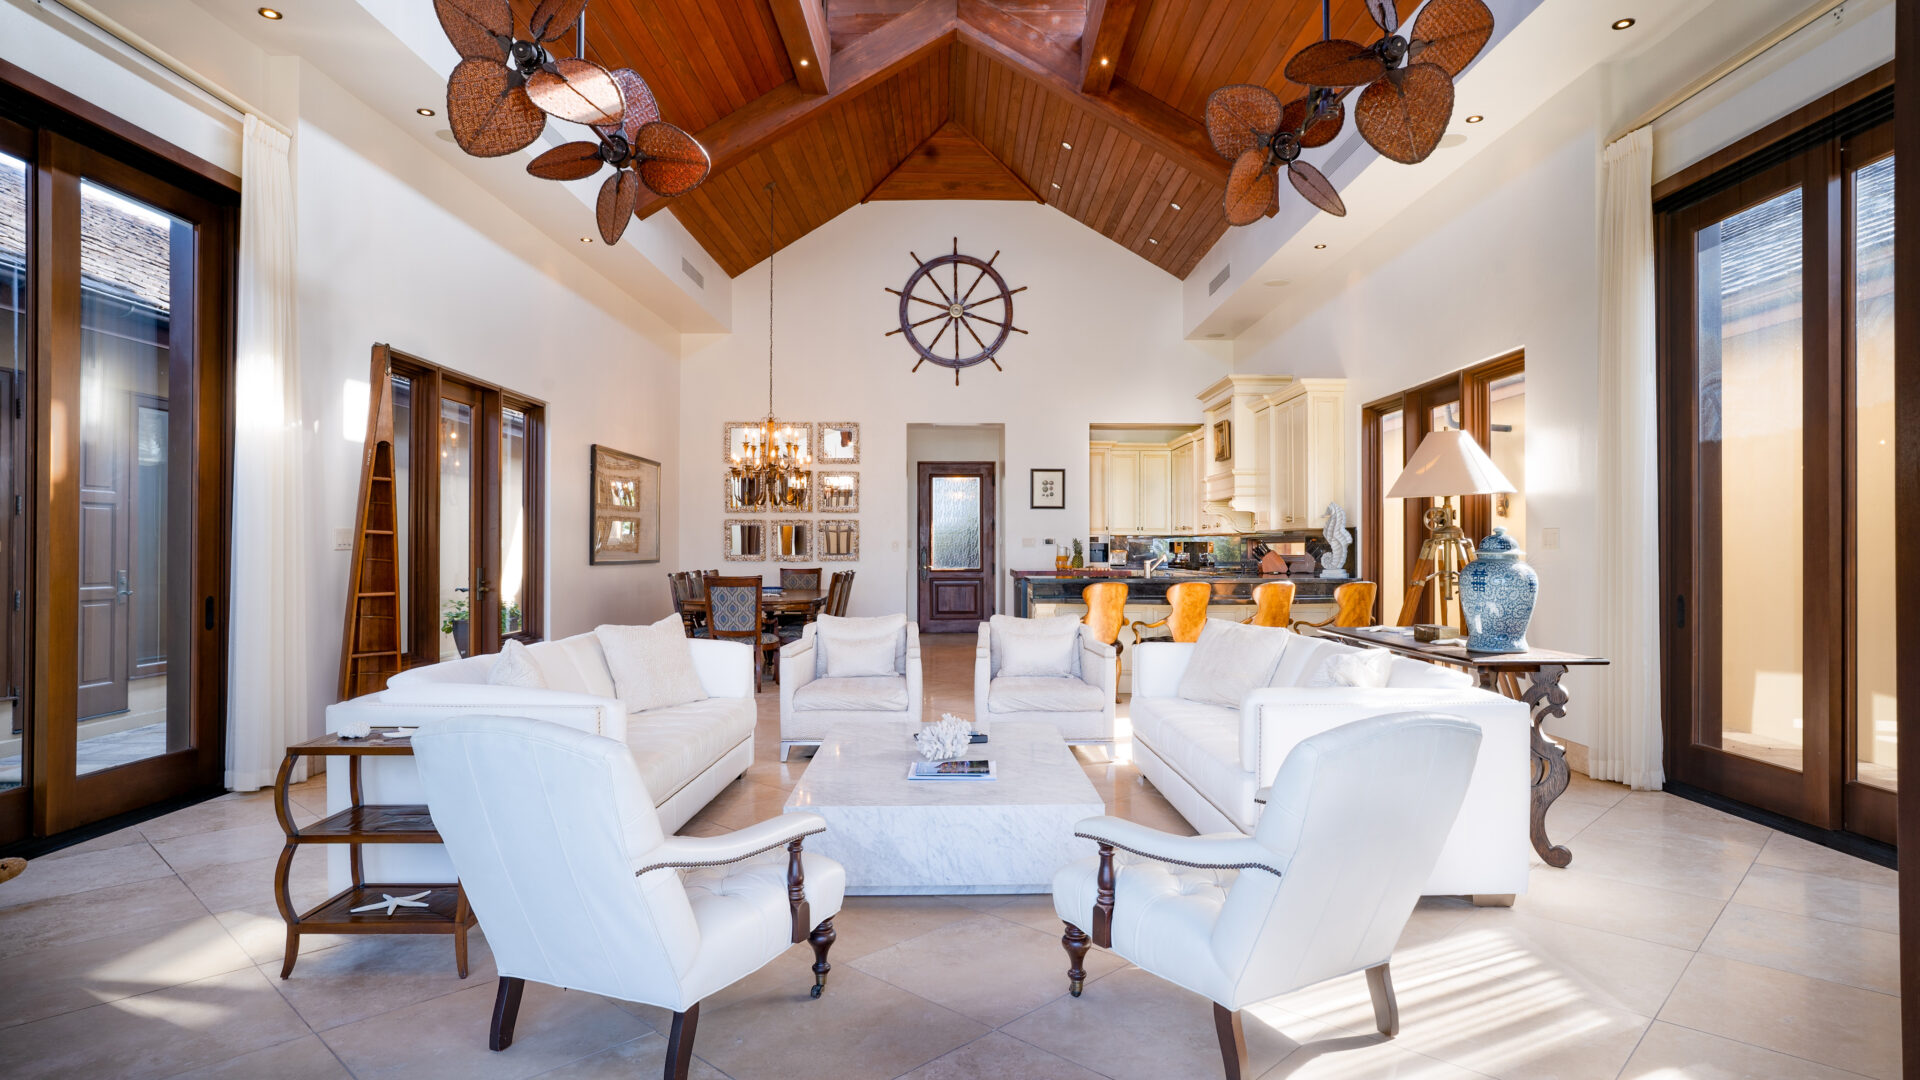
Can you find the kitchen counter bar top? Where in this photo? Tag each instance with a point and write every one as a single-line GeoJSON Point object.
{"type": "Point", "coordinates": [1056, 587]}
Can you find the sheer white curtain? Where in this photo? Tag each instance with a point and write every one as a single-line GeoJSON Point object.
{"type": "Point", "coordinates": [1627, 747]}
{"type": "Point", "coordinates": [267, 698]}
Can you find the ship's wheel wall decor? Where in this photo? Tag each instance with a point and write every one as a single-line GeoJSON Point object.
{"type": "Point", "coordinates": [936, 284]}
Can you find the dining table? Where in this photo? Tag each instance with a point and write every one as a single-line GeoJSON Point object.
{"type": "Point", "coordinates": [806, 602]}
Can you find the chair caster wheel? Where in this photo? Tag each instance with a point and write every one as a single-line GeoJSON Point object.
{"type": "Point", "coordinates": [1074, 987]}
{"type": "Point", "coordinates": [815, 992]}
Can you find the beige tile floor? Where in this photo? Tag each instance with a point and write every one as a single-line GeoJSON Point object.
{"type": "Point", "coordinates": [1681, 943]}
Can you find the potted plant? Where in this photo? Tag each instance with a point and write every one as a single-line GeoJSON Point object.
{"type": "Point", "coordinates": [453, 620]}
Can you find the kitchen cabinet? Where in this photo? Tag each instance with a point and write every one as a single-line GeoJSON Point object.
{"type": "Point", "coordinates": [1132, 487]}
{"type": "Point", "coordinates": [1156, 490]}
{"type": "Point", "coordinates": [1097, 488]}
{"type": "Point", "coordinates": [1186, 484]}
{"type": "Point", "coordinates": [1305, 453]}
{"type": "Point", "coordinates": [1123, 489]}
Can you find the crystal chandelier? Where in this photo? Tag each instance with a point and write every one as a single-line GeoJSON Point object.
{"type": "Point", "coordinates": [770, 470]}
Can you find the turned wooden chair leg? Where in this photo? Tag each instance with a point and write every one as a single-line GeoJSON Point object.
{"type": "Point", "coordinates": [1386, 1011]}
{"type": "Point", "coordinates": [506, 1008]}
{"type": "Point", "coordinates": [1076, 942]}
{"type": "Point", "coordinates": [821, 939]}
{"type": "Point", "coordinates": [680, 1042]}
{"type": "Point", "coordinates": [1233, 1041]}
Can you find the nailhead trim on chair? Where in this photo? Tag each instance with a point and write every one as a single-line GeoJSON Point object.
{"type": "Point", "coordinates": [723, 862]}
{"type": "Point", "coordinates": [1179, 862]}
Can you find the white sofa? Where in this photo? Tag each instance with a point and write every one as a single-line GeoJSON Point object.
{"type": "Point", "coordinates": [685, 753]}
{"type": "Point", "coordinates": [1210, 761]}
{"type": "Point", "coordinates": [1080, 705]}
{"type": "Point", "coordinates": [811, 701]}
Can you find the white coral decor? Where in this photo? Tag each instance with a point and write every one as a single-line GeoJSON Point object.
{"type": "Point", "coordinates": [945, 738]}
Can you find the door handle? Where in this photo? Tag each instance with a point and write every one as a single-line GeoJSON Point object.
{"type": "Point", "coordinates": [125, 590]}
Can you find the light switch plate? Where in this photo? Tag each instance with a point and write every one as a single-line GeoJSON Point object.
{"type": "Point", "coordinates": [1550, 539]}
{"type": "Point", "coordinates": [343, 539]}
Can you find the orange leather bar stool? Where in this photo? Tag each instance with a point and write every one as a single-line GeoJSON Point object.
{"type": "Point", "coordinates": [1272, 603]}
{"type": "Point", "coordinates": [1353, 603]}
{"type": "Point", "coordinates": [1188, 600]}
{"type": "Point", "coordinates": [1106, 613]}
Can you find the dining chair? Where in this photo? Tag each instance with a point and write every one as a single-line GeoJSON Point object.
{"type": "Point", "coordinates": [679, 584]}
{"type": "Point", "coordinates": [734, 614]}
{"type": "Point", "coordinates": [799, 578]}
{"type": "Point", "coordinates": [1106, 614]}
{"type": "Point", "coordinates": [788, 624]}
{"type": "Point", "coordinates": [838, 590]}
{"type": "Point", "coordinates": [1353, 606]}
{"type": "Point", "coordinates": [1188, 599]}
{"type": "Point", "coordinates": [1272, 603]}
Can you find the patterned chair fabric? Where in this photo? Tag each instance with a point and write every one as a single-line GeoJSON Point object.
{"type": "Point", "coordinates": [733, 609]}
{"type": "Point", "coordinates": [799, 579]}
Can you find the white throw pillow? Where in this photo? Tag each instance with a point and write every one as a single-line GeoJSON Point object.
{"type": "Point", "coordinates": [1361, 668]}
{"type": "Point", "coordinates": [867, 655]}
{"type": "Point", "coordinates": [829, 629]}
{"type": "Point", "coordinates": [652, 665]}
{"type": "Point", "coordinates": [1046, 648]}
{"type": "Point", "coordinates": [1230, 661]}
{"type": "Point", "coordinates": [515, 667]}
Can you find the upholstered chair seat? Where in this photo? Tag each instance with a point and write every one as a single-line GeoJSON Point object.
{"type": "Point", "coordinates": [847, 669]}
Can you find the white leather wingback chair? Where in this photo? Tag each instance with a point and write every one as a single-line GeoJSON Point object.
{"type": "Point", "coordinates": [1323, 887]}
{"type": "Point", "coordinates": [558, 846]}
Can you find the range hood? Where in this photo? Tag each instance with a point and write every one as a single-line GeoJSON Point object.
{"type": "Point", "coordinates": [1236, 471]}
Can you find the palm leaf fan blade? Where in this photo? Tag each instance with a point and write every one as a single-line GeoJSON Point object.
{"type": "Point", "coordinates": [573, 161]}
{"type": "Point", "coordinates": [576, 90]}
{"type": "Point", "coordinates": [476, 27]}
{"type": "Point", "coordinates": [1313, 185]}
{"type": "Point", "coordinates": [1449, 34]}
{"type": "Point", "coordinates": [615, 206]}
{"type": "Point", "coordinates": [1335, 63]}
{"type": "Point", "coordinates": [641, 108]}
{"type": "Point", "coordinates": [553, 18]}
{"type": "Point", "coordinates": [1384, 14]}
{"type": "Point", "coordinates": [1404, 115]}
{"type": "Point", "coordinates": [1250, 187]}
{"type": "Point", "coordinates": [672, 162]}
{"type": "Point", "coordinates": [1238, 115]}
{"type": "Point", "coordinates": [488, 111]}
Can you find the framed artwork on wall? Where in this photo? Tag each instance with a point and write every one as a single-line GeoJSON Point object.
{"type": "Point", "coordinates": [838, 541]}
{"type": "Point", "coordinates": [1223, 440]}
{"type": "Point", "coordinates": [839, 493]}
{"type": "Point", "coordinates": [626, 508]}
{"type": "Point", "coordinates": [1047, 489]}
{"type": "Point", "coordinates": [839, 442]}
{"type": "Point", "coordinates": [744, 540]}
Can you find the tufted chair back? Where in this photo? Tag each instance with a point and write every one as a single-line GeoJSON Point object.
{"type": "Point", "coordinates": [544, 825]}
{"type": "Point", "coordinates": [1359, 815]}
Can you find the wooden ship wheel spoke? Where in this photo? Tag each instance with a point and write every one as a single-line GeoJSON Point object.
{"type": "Point", "coordinates": [957, 311]}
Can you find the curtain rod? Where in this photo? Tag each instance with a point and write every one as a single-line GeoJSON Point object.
{"type": "Point", "coordinates": [1735, 62]}
{"type": "Point", "coordinates": [113, 28]}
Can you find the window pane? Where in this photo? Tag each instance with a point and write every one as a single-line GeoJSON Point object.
{"type": "Point", "coordinates": [1751, 420]}
{"type": "Point", "coordinates": [1393, 516]}
{"type": "Point", "coordinates": [13, 358]}
{"type": "Point", "coordinates": [403, 496]}
{"type": "Point", "coordinates": [956, 523]}
{"type": "Point", "coordinates": [1875, 617]}
{"type": "Point", "coordinates": [1507, 446]}
{"type": "Point", "coordinates": [456, 526]}
{"type": "Point", "coordinates": [513, 519]}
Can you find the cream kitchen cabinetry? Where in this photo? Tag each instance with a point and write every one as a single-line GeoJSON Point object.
{"type": "Point", "coordinates": [1187, 483]}
{"type": "Point", "coordinates": [1304, 453]}
{"type": "Point", "coordinates": [1097, 488]}
{"type": "Point", "coordinates": [1132, 488]}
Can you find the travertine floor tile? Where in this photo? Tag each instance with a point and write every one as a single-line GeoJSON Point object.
{"type": "Point", "coordinates": [305, 1058]}
{"type": "Point", "coordinates": [195, 851]}
{"type": "Point", "coordinates": [998, 1057]}
{"type": "Point", "coordinates": [641, 1057]}
{"type": "Point", "coordinates": [1669, 1052]}
{"type": "Point", "coordinates": [447, 1036]}
{"type": "Point", "coordinates": [867, 924]}
{"type": "Point", "coordinates": [1363, 1057]}
{"type": "Point", "coordinates": [988, 968]}
{"type": "Point", "coordinates": [84, 873]}
{"type": "Point", "coordinates": [1821, 896]}
{"type": "Point", "coordinates": [1847, 1028]}
{"type": "Point", "coordinates": [860, 1029]}
{"type": "Point", "coordinates": [64, 920]}
{"type": "Point", "coordinates": [366, 975]}
{"type": "Point", "coordinates": [1793, 853]}
{"type": "Point", "coordinates": [1869, 959]}
{"type": "Point", "coordinates": [63, 978]}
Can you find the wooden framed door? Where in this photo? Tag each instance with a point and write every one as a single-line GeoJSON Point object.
{"type": "Point", "coordinates": [956, 544]}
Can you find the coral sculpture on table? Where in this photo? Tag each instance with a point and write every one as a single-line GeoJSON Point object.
{"type": "Point", "coordinates": [1334, 563]}
{"type": "Point", "coordinates": [944, 739]}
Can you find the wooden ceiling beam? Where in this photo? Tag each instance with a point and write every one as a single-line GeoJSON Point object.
{"type": "Point", "coordinates": [803, 27]}
{"type": "Point", "coordinates": [1103, 41]}
{"type": "Point", "coordinates": [865, 63]}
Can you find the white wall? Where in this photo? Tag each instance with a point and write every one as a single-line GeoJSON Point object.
{"type": "Point", "coordinates": [1104, 347]}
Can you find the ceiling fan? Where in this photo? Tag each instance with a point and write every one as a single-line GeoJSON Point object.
{"type": "Point", "coordinates": [504, 88]}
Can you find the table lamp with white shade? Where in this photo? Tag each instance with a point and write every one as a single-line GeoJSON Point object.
{"type": "Point", "coordinates": [1446, 464]}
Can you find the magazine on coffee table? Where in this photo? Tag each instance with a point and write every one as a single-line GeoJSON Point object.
{"type": "Point", "coordinates": [951, 770]}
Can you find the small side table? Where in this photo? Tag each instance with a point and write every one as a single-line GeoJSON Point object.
{"type": "Point", "coordinates": [446, 911]}
{"type": "Point", "coordinates": [1501, 673]}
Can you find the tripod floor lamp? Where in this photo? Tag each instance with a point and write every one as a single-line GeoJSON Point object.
{"type": "Point", "coordinates": [1446, 464]}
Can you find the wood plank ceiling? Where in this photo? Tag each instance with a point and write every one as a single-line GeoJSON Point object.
{"type": "Point", "coordinates": [1093, 105]}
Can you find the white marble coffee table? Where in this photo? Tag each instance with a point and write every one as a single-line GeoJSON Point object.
{"type": "Point", "coordinates": [898, 837]}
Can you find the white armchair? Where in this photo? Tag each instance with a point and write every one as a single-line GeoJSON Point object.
{"type": "Point", "coordinates": [555, 840]}
{"type": "Point", "coordinates": [1322, 888]}
{"type": "Point", "coordinates": [820, 687]}
{"type": "Point", "coordinates": [1080, 703]}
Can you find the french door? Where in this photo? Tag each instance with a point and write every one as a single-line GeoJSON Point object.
{"type": "Point", "coordinates": [114, 287]}
{"type": "Point", "coordinates": [1777, 430]}
{"type": "Point", "coordinates": [956, 527]}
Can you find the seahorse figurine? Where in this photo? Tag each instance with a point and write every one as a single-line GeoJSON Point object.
{"type": "Point", "coordinates": [1334, 563]}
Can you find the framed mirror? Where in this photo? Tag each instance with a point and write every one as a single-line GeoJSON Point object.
{"type": "Point", "coordinates": [839, 442]}
{"type": "Point", "coordinates": [795, 497]}
{"type": "Point", "coordinates": [738, 495]}
{"type": "Point", "coordinates": [738, 435]}
{"type": "Point", "coordinates": [792, 540]}
{"type": "Point", "coordinates": [744, 540]}
{"type": "Point", "coordinates": [839, 541]}
{"type": "Point", "coordinates": [839, 492]}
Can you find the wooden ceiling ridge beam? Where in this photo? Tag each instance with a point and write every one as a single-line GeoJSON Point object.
{"type": "Point", "coordinates": [1103, 41]}
{"type": "Point", "coordinates": [803, 28]}
{"type": "Point", "coordinates": [866, 62]}
{"type": "Point", "coordinates": [953, 122]}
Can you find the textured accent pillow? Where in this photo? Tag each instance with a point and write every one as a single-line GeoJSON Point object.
{"type": "Point", "coordinates": [1230, 661]}
{"type": "Point", "coordinates": [1046, 648]}
{"type": "Point", "coordinates": [1362, 667]}
{"type": "Point", "coordinates": [866, 655]}
{"type": "Point", "coordinates": [515, 667]}
{"type": "Point", "coordinates": [652, 666]}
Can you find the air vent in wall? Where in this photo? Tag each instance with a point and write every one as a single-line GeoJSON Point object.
{"type": "Point", "coordinates": [1219, 279]}
{"type": "Point", "coordinates": [687, 269]}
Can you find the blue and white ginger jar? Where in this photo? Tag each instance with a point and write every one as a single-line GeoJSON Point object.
{"type": "Point", "coordinates": [1497, 592]}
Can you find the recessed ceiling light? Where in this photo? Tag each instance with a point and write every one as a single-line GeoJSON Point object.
{"type": "Point", "coordinates": [1275, 283]}
{"type": "Point", "coordinates": [270, 13]}
{"type": "Point", "coordinates": [586, 239]}
{"type": "Point", "coordinates": [1622, 24]}
{"type": "Point", "coordinates": [1066, 146]}
{"type": "Point", "coordinates": [1319, 247]}
{"type": "Point", "coordinates": [1151, 240]}
{"type": "Point", "coordinates": [1103, 61]}
{"type": "Point", "coordinates": [424, 112]}
{"type": "Point", "coordinates": [803, 61]}
{"type": "Point", "coordinates": [1056, 187]}
{"type": "Point", "coordinates": [1175, 205]}
{"type": "Point", "coordinates": [1475, 118]}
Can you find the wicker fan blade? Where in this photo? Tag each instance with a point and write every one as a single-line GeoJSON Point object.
{"type": "Point", "coordinates": [554, 18]}
{"type": "Point", "coordinates": [1250, 188]}
{"type": "Point", "coordinates": [489, 111]}
{"type": "Point", "coordinates": [476, 27]}
{"type": "Point", "coordinates": [1449, 34]}
{"type": "Point", "coordinates": [1384, 14]}
{"type": "Point", "coordinates": [1238, 115]}
{"type": "Point", "coordinates": [577, 90]}
{"type": "Point", "coordinates": [672, 161]}
{"type": "Point", "coordinates": [615, 207]}
{"type": "Point", "coordinates": [574, 161]}
{"type": "Point", "coordinates": [642, 109]}
{"type": "Point", "coordinates": [1335, 63]}
{"type": "Point", "coordinates": [1313, 185]}
{"type": "Point", "coordinates": [1313, 130]}
{"type": "Point", "coordinates": [1404, 114]}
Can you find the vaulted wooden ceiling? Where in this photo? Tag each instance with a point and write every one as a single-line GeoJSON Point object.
{"type": "Point", "coordinates": [1094, 106]}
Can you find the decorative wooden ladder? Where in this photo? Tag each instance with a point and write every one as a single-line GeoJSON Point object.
{"type": "Point", "coordinates": [370, 650]}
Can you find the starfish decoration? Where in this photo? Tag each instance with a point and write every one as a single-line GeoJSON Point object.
{"type": "Point", "coordinates": [393, 903]}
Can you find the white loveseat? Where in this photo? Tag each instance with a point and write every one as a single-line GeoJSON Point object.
{"type": "Point", "coordinates": [813, 699]}
{"type": "Point", "coordinates": [1210, 760]}
{"type": "Point", "coordinates": [1080, 704]}
{"type": "Point", "coordinates": [685, 753]}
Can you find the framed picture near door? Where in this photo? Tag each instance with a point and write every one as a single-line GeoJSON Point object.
{"type": "Point", "coordinates": [1047, 489]}
{"type": "Point", "coordinates": [626, 508]}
